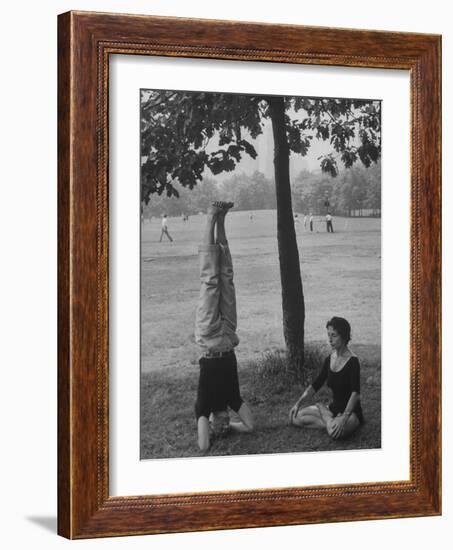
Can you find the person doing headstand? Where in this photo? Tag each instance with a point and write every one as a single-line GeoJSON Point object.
{"type": "Point", "coordinates": [215, 332]}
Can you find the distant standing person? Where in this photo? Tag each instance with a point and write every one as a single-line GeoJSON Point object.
{"type": "Point", "coordinates": [311, 222]}
{"type": "Point", "coordinates": [215, 333]}
{"type": "Point", "coordinates": [164, 229]}
{"type": "Point", "coordinates": [305, 222]}
{"type": "Point", "coordinates": [329, 223]}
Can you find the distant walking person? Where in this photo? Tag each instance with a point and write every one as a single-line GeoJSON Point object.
{"type": "Point", "coordinates": [215, 332]}
{"type": "Point", "coordinates": [305, 222]}
{"type": "Point", "coordinates": [329, 223]}
{"type": "Point", "coordinates": [311, 222]}
{"type": "Point", "coordinates": [164, 229]}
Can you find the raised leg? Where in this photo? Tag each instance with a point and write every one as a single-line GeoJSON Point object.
{"type": "Point", "coordinates": [221, 233]}
{"type": "Point", "coordinates": [227, 303]}
{"type": "Point", "coordinates": [208, 321]}
{"type": "Point", "coordinates": [211, 220]}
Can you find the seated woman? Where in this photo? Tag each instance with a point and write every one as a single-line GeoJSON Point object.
{"type": "Point", "coordinates": [341, 371]}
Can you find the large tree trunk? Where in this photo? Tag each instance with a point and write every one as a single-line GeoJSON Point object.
{"type": "Point", "coordinates": [292, 294]}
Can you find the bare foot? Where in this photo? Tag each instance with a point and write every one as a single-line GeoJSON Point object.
{"type": "Point", "coordinates": [214, 210]}
{"type": "Point", "coordinates": [224, 206]}
{"type": "Point", "coordinates": [324, 411]}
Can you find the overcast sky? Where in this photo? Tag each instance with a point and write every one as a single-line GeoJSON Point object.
{"type": "Point", "coordinates": [264, 162]}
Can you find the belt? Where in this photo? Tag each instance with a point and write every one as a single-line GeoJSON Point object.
{"type": "Point", "coordinates": [217, 354]}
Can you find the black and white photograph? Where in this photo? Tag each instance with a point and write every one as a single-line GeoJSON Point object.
{"type": "Point", "coordinates": [260, 274]}
{"type": "Point", "coordinates": [227, 275]}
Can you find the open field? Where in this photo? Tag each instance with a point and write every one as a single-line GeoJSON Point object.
{"type": "Point", "coordinates": [341, 276]}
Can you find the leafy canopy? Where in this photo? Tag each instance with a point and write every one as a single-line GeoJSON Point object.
{"type": "Point", "coordinates": [176, 128]}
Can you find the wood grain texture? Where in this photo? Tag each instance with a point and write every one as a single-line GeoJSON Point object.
{"type": "Point", "coordinates": [64, 369]}
{"type": "Point", "coordinates": [85, 42]}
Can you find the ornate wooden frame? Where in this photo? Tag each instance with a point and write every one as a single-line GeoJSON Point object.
{"type": "Point", "coordinates": [85, 41]}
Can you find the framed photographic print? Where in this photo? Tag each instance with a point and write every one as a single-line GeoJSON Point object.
{"type": "Point", "coordinates": [249, 275]}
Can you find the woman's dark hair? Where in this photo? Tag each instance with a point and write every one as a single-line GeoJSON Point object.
{"type": "Point", "coordinates": [342, 327]}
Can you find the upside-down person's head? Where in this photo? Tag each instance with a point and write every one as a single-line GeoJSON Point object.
{"type": "Point", "coordinates": [220, 422]}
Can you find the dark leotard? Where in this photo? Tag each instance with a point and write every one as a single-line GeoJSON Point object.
{"type": "Point", "coordinates": [342, 384]}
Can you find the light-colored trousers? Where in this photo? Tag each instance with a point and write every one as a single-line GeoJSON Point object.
{"type": "Point", "coordinates": [216, 317]}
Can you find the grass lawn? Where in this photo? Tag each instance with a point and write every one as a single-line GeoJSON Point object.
{"type": "Point", "coordinates": [341, 276]}
{"type": "Point", "coordinates": [168, 426]}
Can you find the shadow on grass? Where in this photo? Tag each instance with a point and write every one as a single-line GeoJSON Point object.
{"type": "Point", "coordinates": [168, 425]}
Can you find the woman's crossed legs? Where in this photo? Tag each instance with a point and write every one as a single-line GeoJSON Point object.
{"type": "Point", "coordinates": [321, 417]}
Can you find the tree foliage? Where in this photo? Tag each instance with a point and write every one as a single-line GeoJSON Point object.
{"type": "Point", "coordinates": [185, 135]}
{"type": "Point", "coordinates": [176, 129]}
{"type": "Point", "coordinates": [356, 191]}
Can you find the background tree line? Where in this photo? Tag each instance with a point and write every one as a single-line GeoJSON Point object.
{"type": "Point", "coordinates": [355, 191]}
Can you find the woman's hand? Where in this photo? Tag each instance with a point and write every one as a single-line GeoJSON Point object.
{"type": "Point", "coordinates": [306, 395]}
{"type": "Point", "coordinates": [338, 425]}
{"type": "Point", "coordinates": [293, 412]}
